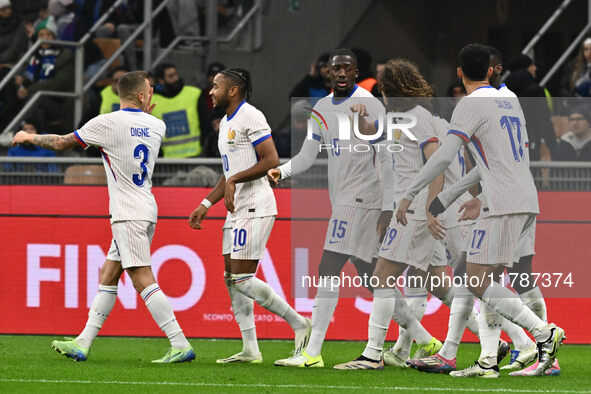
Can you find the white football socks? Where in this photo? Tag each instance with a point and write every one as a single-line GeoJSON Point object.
{"type": "Point", "coordinates": [382, 310]}
{"type": "Point", "coordinates": [507, 304]}
{"type": "Point", "coordinates": [102, 304]}
{"type": "Point", "coordinates": [161, 311]}
{"type": "Point", "coordinates": [325, 304]}
{"type": "Point", "coordinates": [265, 296]}
{"type": "Point", "coordinates": [519, 338]}
{"type": "Point", "coordinates": [243, 308]}
{"type": "Point", "coordinates": [405, 318]}
{"type": "Point", "coordinates": [416, 299]}
{"type": "Point", "coordinates": [461, 310]}
{"type": "Point", "coordinates": [535, 301]}
{"type": "Point", "coordinates": [490, 332]}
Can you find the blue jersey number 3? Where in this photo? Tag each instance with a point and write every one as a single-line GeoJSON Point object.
{"type": "Point", "coordinates": [145, 156]}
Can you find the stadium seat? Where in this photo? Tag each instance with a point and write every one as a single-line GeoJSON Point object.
{"type": "Point", "coordinates": [85, 175]}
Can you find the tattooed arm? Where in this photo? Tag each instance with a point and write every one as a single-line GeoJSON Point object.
{"type": "Point", "coordinates": [47, 141]}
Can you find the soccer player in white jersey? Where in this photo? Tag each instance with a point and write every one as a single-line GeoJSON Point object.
{"type": "Point", "coordinates": [412, 246]}
{"type": "Point", "coordinates": [491, 323]}
{"type": "Point", "coordinates": [129, 140]}
{"type": "Point", "coordinates": [491, 125]}
{"type": "Point", "coordinates": [355, 196]}
{"type": "Point", "coordinates": [248, 152]}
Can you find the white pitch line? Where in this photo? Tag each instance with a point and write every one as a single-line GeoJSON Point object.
{"type": "Point", "coordinates": [288, 386]}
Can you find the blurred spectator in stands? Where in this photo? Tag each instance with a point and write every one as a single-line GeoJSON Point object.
{"type": "Point", "coordinates": [50, 68]}
{"type": "Point", "coordinates": [444, 107]}
{"type": "Point", "coordinates": [42, 14]}
{"type": "Point", "coordinates": [178, 108]}
{"type": "Point", "coordinates": [184, 17]}
{"type": "Point", "coordinates": [366, 78]}
{"type": "Point", "coordinates": [456, 90]}
{"type": "Point", "coordinates": [129, 21]}
{"type": "Point", "coordinates": [210, 142]}
{"type": "Point", "coordinates": [521, 81]}
{"type": "Point", "coordinates": [380, 67]}
{"type": "Point", "coordinates": [64, 13]}
{"type": "Point", "coordinates": [316, 84]}
{"type": "Point", "coordinates": [13, 35]}
{"type": "Point", "coordinates": [8, 103]}
{"type": "Point", "coordinates": [30, 150]}
{"type": "Point", "coordinates": [575, 145]}
{"type": "Point", "coordinates": [210, 117]}
{"type": "Point", "coordinates": [289, 140]}
{"type": "Point", "coordinates": [109, 94]}
{"type": "Point", "coordinates": [577, 80]}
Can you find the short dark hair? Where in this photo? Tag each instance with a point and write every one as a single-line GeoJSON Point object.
{"type": "Point", "coordinates": [494, 53]}
{"type": "Point", "coordinates": [130, 84]}
{"type": "Point", "coordinates": [161, 68]}
{"type": "Point", "coordinates": [117, 69]}
{"type": "Point", "coordinates": [214, 68]}
{"type": "Point", "coordinates": [342, 52]}
{"type": "Point", "coordinates": [474, 61]}
{"type": "Point", "coordinates": [240, 77]}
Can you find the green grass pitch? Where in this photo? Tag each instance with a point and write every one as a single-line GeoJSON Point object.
{"type": "Point", "coordinates": [28, 364]}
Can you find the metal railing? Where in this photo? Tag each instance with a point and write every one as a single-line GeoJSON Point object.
{"type": "Point", "coordinates": [206, 172]}
{"type": "Point", "coordinates": [573, 45]}
{"type": "Point", "coordinates": [255, 13]}
{"type": "Point", "coordinates": [80, 88]}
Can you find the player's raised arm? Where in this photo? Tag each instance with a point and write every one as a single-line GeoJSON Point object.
{"type": "Point", "coordinates": [47, 141]}
{"type": "Point", "coordinates": [215, 195]}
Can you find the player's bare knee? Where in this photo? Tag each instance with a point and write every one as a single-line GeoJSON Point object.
{"type": "Point", "coordinates": [141, 277]}
{"type": "Point", "coordinates": [110, 273]}
{"type": "Point", "coordinates": [331, 263]}
{"type": "Point", "coordinates": [243, 266]}
{"type": "Point", "coordinates": [227, 264]}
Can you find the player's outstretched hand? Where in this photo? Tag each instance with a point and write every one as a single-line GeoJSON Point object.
{"type": "Point", "coordinates": [20, 138]}
{"type": "Point", "coordinates": [471, 209]}
{"type": "Point", "coordinates": [383, 223]}
{"type": "Point", "coordinates": [359, 108]}
{"type": "Point", "coordinates": [197, 216]}
{"type": "Point", "coordinates": [229, 196]}
{"type": "Point", "coordinates": [435, 227]}
{"type": "Point", "coordinates": [273, 175]}
{"type": "Point", "coordinates": [401, 211]}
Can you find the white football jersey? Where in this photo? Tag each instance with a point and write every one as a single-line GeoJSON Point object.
{"type": "Point", "coordinates": [353, 179]}
{"type": "Point", "coordinates": [409, 161]}
{"type": "Point", "coordinates": [505, 91]}
{"type": "Point", "coordinates": [493, 125]}
{"type": "Point", "coordinates": [129, 140]}
{"type": "Point", "coordinates": [238, 136]}
{"type": "Point", "coordinates": [452, 174]}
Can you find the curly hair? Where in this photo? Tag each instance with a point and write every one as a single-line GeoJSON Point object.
{"type": "Point", "coordinates": [579, 66]}
{"type": "Point", "coordinates": [401, 78]}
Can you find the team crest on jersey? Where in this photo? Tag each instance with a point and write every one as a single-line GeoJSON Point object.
{"type": "Point", "coordinates": [231, 136]}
